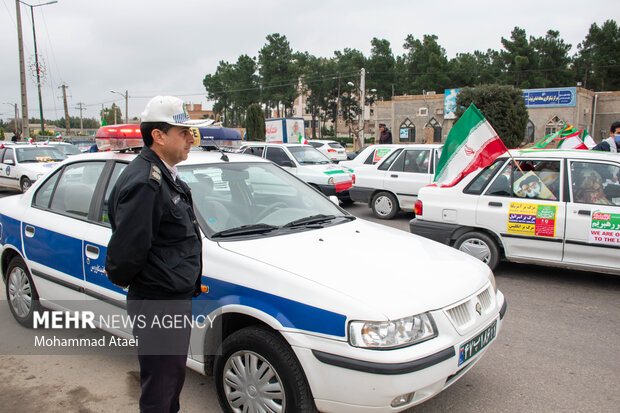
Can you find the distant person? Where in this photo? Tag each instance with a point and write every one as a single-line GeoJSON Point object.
{"type": "Point", "coordinates": [611, 144]}
{"type": "Point", "coordinates": [16, 137]}
{"type": "Point", "coordinates": [93, 148]}
{"type": "Point", "coordinates": [386, 136]}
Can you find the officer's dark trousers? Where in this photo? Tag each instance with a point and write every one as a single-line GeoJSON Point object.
{"type": "Point", "coordinates": [162, 350]}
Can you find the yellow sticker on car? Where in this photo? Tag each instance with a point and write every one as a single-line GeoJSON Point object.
{"type": "Point", "coordinates": [531, 219]}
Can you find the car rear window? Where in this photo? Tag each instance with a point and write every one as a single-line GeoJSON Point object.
{"type": "Point", "coordinates": [478, 184]}
{"type": "Point", "coordinates": [335, 145]}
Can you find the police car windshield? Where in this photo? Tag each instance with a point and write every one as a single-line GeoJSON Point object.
{"type": "Point", "coordinates": [252, 199]}
{"type": "Point", "coordinates": [67, 149]}
{"type": "Point", "coordinates": [308, 155]}
{"type": "Point", "coordinates": [39, 154]}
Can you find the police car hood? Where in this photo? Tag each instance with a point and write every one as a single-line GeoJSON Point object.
{"type": "Point", "coordinates": [38, 167]}
{"type": "Point", "coordinates": [322, 167]}
{"type": "Point", "coordinates": [391, 271]}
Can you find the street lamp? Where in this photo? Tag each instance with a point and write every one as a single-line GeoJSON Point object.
{"type": "Point", "coordinates": [126, 96]}
{"type": "Point", "coordinates": [36, 57]}
{"type": "Point", "coordinates": [362, 96]}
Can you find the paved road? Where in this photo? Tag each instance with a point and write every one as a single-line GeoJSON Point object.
{"type": "Point", "coordinates": [557, 352]}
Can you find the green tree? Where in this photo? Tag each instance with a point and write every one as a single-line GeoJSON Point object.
{"type": "Point", "coordinates": [278, 73]}
{"type": "Point", "coordinates": [597, 63]}
{"type": "Point", "coordinates": [108, 114]}
{"type": "Point", "coordinates": [255, 123]}
{"type": "Point", "coordinates": [521, 60]}
{"type": "Point", "coordinates": [470, 69]}
{"type": "Point", "coordinates": [426, 65]}
{"type": "Point", "coordinates": [381, 68]}
{"type": "Point", "coordinates": [553, 60]}
{"type": "Point", "coordinates": [503, 106]}
{"type": "Point", "coordinates": [74, 122]}
{"type": "Point", "coordinates": [2, 133]}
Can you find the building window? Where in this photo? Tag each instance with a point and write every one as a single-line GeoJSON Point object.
{"type": "Point", "coordinates": [436, 129]}
{"type": "Point", "coordinates": [406, 131]}
{"type": "Point", "coordinates": [529, 132]}
{"type": "Point", "coordinates": [554, 125]}
{"type": "Point", "coordinates": [423, 112]}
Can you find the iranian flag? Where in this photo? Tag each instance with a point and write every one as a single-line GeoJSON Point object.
{"type": "Point", "coordinates": [471, 144]}
{"type": "Point", "coordinates": [587, 139]}
{"type": "Point", "coordinates": [572, 141]}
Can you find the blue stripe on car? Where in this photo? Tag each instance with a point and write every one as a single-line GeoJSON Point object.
{"type": "Point", "coordinates": [64, 256]}
{"type": "Point", "coordinates": [289, 313]}
{"type": "Point", "coordinates": [10, 232]}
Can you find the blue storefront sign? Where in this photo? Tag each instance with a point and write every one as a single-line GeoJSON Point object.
{"type": "Point", "coordinates": [536, 98]}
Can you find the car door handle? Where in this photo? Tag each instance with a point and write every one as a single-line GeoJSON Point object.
{"type": "Point", "coordinates": [584, 212]}
{"type": "Point", "coordinates": [495, 204]}
{"type": "Point", "coordinates": [29, 230]}
{"type": "Point", "coordinates": [393, 176]}
{"type": "Point", "coordinates": [92, 251]}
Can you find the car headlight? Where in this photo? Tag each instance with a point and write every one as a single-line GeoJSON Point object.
{"type": "Point", "coordinates": [492, 280]}
{"type": "Point", "coordinates": [330, 181]}
{"type": "Point", "coordinates": [392, 334]}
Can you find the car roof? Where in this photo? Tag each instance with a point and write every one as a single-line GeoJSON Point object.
{"type": "Point", "coordinates": [274, 144]}
{"type": "Point", "coordinates": [563, 154]}
{"type": "Point", "coordinates": [194, 158]}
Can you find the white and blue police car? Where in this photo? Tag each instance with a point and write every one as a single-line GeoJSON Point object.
{"type": "Point", "coordinates": [298, 328]}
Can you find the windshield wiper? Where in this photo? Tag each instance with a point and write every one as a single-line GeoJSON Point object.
{"type": "Point", "coordinates": [246, 230]}
{"type": "Point", "coordinates": [313, 219]}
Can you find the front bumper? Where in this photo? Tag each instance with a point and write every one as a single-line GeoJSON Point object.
{"type": "Point", "coordinates": [437, 231]}
{"type": "Point", "coordinates": [347, 379]}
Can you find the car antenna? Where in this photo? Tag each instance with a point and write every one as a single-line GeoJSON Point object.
{"type": "Point", "coordinates": [224, 157]}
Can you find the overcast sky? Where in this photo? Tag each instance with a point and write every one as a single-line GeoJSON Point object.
{"type": "Point", "coordinates": [152, 47]}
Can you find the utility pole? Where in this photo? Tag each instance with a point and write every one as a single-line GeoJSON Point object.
{"type": "Point", "coordinates": [81, 107]}
{"type": "Point", "coordinates": [64, 98]}
{"type": "Point", "coordinates": [22, 73]}
{"type": "Point", "coordinates": [362, 105]}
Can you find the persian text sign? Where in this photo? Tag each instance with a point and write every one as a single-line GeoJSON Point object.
{"type": "Point", "coordinates": [605, 228]}
{"type": "Point", "coordinates": [566, 96]}
{"type": "Point", "coordinates": [531, 219]}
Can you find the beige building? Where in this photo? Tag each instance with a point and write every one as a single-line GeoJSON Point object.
{"type": "Point", "coordinates": [420, 118]}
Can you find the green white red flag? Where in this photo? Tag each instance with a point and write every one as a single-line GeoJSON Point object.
{"type": "Point", "coordinates": [471, 144]}
{"type": "Point", "coordinates": [572, 140]}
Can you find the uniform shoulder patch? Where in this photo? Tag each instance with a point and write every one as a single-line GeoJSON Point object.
{"type": "Point", "coordinates": [155, 174]}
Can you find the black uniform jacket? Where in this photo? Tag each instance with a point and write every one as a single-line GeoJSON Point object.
{"type": "Point", "coordinates": [155, 246]}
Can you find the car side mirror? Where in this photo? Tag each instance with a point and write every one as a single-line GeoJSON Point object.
{"type": "Point", "coordinates": [334, 199]}
{"type": "Point", "coordinates": [288, 163]}
{"type": "Point", "coordinates": [9, 162]}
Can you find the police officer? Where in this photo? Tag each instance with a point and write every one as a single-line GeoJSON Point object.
{"type": "Point", "coordinates": [155, 250]}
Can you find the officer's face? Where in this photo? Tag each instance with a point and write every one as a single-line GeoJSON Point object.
{"type": "Point", "coordinates": [175, 144]}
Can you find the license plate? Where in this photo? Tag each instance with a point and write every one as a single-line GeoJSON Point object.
{"type": "Point", "coordinates": [473, 346]}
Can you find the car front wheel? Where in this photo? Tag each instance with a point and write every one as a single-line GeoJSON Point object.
{"type": "Point", "coordinates": [479, 245]}
{"type": "Point", "coordinates": [21, 294]}
{"type": "Point", "coordinates": [25, 183]}
{"type": "Point", "coordinates": [258, 372]}
{"type": "Point", "coordinates": [384, 205]}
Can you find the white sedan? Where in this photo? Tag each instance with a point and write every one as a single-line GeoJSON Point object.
{"type": "Point", "coordinates": [304, 333]}
{"type": "Point", "coordinates": [332, 149]}
{"type": "Point", "coordinates": [22, 164]}
{"type": "Point", "coordinates": [555, 208]}
{"type": "Point", "coordinates": [393, 184]}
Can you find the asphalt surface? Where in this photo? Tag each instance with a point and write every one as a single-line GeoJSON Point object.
{"type": "Point", "coordinates": [558, 351]}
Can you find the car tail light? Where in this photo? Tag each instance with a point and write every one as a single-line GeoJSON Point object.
{"type": "Point", "coordinates": [331, 150]}
{"type": "Point", "coordinates": [418, 207]}
{"type": "Point", "coordinates": [353, 178]}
